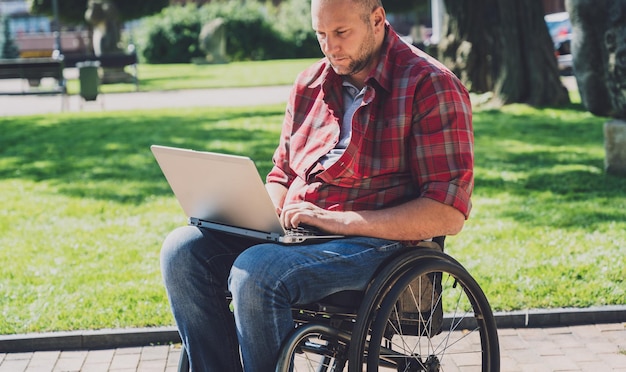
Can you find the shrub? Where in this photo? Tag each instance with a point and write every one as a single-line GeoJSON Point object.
{"type": "Point", "coordinates": [249, 32]}
{"type": "Point", "coordinates": [8, 47]}
{"type": "Point", "coordinates": [170, 36]}
{"type": "Point", "coordinates": [253, 31]}
{"type": "Point", "coordinates": [292, 19]}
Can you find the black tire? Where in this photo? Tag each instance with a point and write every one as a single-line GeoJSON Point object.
{"type": "Point", "coordinates": [314, 347]}
{"type": "Point", "coordinates": [393, 336]}
{"type": "Point", "coordinates": [183, 362]}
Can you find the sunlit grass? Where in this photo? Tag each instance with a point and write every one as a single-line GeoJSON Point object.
{"type": "Point", "coordinates": [548, 228]}
{"type": "Point", "coordinates": [190, 76]}
{"type": "Point", "coordinates": [85, 209]}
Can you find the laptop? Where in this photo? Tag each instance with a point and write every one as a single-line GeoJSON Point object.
{"type": "Point", "coordinates": [225, 193]}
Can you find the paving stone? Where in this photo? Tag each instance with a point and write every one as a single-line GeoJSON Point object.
{"type": "Point", "coordinates": [581, 354]}
{"type": "Point", "coordinates": [614, 360]}
{"type": "Point", "coordinates": [585, 348]}
{"type": "Point", "coordinates": [70, 361]}
{"type": "Point", "coordinates": [152, 366]}
{"type": "Point", "coordinates": [124, 360]}
{"type": "Point", "coordinates": [14, 365]}
{"type": "Point", "coordinates": [95, 367]}
{"type": "Point", "coordinates": [100, 357]}
{"type": "Point", "coordinates": [155, 353]}
{"type": "Point", "coordinates": [594, 367]}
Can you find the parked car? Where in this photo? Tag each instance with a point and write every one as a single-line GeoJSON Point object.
{"type": "Point", "coordinates": [561, 32]}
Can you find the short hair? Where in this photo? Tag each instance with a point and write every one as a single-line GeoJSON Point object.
{"type": "Point", "coordinates": [368, 6]}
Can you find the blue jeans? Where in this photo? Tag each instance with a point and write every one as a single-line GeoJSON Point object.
{"type": "Point", "coordinates": [265, 280]}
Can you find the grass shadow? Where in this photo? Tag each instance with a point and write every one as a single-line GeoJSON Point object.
{"type": "Point", "coordinates": [91, 155]}
{"type": "Point", "coordinates": [551, 162]}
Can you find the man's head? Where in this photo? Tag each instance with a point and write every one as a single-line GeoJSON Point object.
{"type": "Point", "coordinates": [350, 34]}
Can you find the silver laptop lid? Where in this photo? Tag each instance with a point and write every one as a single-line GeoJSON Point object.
{"type": "Point", "coordinates": [219, 188]}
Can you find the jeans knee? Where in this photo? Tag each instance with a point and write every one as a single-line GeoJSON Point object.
{"type": "Point", "coordinates": [252, 275]}
{"type": "Point", "coordinates": [243, 276]}
{"type": "Point", "coordinates": [176, 251]}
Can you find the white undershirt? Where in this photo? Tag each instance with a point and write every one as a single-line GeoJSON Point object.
{"type": "Point", "coordinates": [352, 99]}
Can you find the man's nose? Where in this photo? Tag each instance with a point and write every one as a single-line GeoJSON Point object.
{"type": "Point", "coordinates": [331, 45]}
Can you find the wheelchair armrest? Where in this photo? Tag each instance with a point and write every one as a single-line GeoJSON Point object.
{"type": "Point", "coordinates": [430, 244]}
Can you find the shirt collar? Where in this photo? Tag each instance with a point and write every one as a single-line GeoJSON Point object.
{"type": "Point", "coordinates": [382, 74]}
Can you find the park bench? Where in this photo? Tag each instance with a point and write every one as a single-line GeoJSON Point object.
{"type": "Point", "coordinates": [108, 61]}
{"type": "Point", "coordinates": [33, 70]}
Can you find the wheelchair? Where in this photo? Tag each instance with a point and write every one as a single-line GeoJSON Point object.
{"type": "Point", "coordinates": [422, 311]}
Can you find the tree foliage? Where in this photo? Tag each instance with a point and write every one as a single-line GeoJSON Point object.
{"type": "Point", "coordinates": [8, 47]}
{"type": "Point", "coordinates": [399, 6]}
{"type": "Point", "coordinates": [73, 11]}
{"type": "Point", "coordinates": [253, 32]}
{"type": "Point", "coordinates": [502, 46]}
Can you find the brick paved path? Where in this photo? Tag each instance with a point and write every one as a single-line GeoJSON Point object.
{"type": "Point", "coordinates": [592, 348]}
{"type": "Point", "coordinates": [587, 348]}
{"type": "Point", "coordinates": [139, 359]}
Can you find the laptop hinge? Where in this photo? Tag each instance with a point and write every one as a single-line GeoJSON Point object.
{"type": "Point", "coordinates": [261, 235]}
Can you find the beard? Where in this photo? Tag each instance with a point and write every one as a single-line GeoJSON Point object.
{"type": "Point", "coordinates": [362, 60]}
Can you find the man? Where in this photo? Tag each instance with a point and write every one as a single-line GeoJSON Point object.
{"type": "Point", "coordinates": [376, 145]}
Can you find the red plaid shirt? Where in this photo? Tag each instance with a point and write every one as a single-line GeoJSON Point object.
{"type": "Point", "coordinates": [411, 137]}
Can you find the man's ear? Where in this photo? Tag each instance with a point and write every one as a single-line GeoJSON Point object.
{"type": "Point", "coordinates": [378, 17]}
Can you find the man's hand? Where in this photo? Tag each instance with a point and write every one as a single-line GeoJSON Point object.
{"type": "Point", "coordinates": [306, 213]}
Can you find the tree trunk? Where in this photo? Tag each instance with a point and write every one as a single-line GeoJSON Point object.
{"type": "Point", "coordinates": [502, 46]}
{"type": "Point", "coordinates": [467, 41]}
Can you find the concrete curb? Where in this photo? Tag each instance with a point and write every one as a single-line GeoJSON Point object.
{"type": "Point", "coordinates": [135, 337]}
{"type": "Point", "coordinates": [561, 317]}
{"type": "Point", "coordinates": [88, 340]}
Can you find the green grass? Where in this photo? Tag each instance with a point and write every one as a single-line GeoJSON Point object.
{"type": "Point", "coordinates": [85, 209]}
{"type": "Point", "coordinates": [548, 228]}
{"type": "Point", "coordinates": [190, 76]}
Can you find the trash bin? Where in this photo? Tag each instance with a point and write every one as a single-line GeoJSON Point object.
{"type": "Point", "coordinates": [89, 79]}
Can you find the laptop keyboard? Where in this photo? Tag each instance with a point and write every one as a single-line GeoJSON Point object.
{"type": "Point", "coordinates": [303, 231]}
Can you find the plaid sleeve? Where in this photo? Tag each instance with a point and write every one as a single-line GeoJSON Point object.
{"type": "Point", "coordinates": [443, 141]}
{"type": "Point", "coordinates": [281, 172]}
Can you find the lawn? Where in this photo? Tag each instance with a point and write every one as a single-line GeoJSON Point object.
{"type": "Point", "coordinates": [191, 76]}
{"type": "Point", "coordinates": [85, 208]}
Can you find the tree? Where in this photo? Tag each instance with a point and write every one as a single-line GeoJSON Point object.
{"type": "Point", "coordinates": [8, 48]}
{"type": "Point", "coordinates": [502, 46]}
{"type": "Point", "coordinates": [599, 56]}
{"type": "Point", "coordinates": [73, 11]}
{"type": "Point", "coordinates": [401, 5]}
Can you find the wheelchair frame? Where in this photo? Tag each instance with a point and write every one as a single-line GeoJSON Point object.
{"type": "Point", "coordinates": [358, 328]}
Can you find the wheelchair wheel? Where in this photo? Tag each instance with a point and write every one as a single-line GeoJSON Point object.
{"type": "Point", "coordinates": [430, 315]}
{"type": "Point", "coordinates": [183, 362]}
{"type": "Point", "coordinates": [314, 347]}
